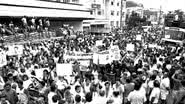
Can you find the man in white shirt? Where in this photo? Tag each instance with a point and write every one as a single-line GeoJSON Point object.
{"type": "Point", "coordinates": [165, 86]}
{"type": "Point", "coordinates": [155, 94]}
{"type": "Point", "coordinates": [136, 96]}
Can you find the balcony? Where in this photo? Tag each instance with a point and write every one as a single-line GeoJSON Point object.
{"type": "Point", "coordinates": [43, 8]}
{"type": "Point", "coordinates": [100, 30]}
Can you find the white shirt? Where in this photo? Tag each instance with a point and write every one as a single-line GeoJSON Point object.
{"type": "Point", "coordinates": [156, 94]}
{"type": "Point", "coordinates": [165, 83]}
{"type": "Point", "coordinates": [136, 97]}
{"type": "Point", "coordinates": [50, 95]}
{"type": "Point", "coordinates": [117, 100]}
{"type": "Point", "coordinates": [100, 100]}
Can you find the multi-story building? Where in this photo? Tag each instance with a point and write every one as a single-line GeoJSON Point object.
{"type": "Point", "coordinates": [152, 15]}
{"type": "Point", "coordinates": [138, 9]}
{"type": "Point", "coordinates": [107, 14]}
{"type": "Point", "coordinates": [59, 12]}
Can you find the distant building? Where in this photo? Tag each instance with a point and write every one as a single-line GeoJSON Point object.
{"type": "Point", "coordinates": [107, 14]}
{"type": "Point", "coordinates": [139, 10]}
{"type": "Point", "coordinates": [59, 12]}
{"type": "Point", "coordinates": [153, 15]}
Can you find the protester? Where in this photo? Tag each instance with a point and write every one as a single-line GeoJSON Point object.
{"type": "Point", "coordinates": [91, 69]}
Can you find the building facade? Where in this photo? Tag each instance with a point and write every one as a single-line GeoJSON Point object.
{"type": "Point", "coordinates": [139, 10]}
{"type": "Point", "coordinates": [59, 12]}
{"type": "Point", "coordinates": [107, 14]}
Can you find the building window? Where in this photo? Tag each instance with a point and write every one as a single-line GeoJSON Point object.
{"type": "Point", "coordinates": [112, 23]}
{"type": "Point", "coordinates": [112, 3]}
{"type": "Point", "coordinates": [117, 13]}
{"type": "Point", "coordinates": [91, 12]}
{"type": "Point", "coordinates": [117, 4]}
{"type": "Point", "coordinates": [117, 23]}
{"type": "Point", "coordinates": [112, 12]}
{"type": "Point", "coordinates": [99, 13]}
{"type": "Point", "coordinates": [75, 1]}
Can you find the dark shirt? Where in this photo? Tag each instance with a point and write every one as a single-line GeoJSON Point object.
{"type": "Point", "coordinates": [11, 96]}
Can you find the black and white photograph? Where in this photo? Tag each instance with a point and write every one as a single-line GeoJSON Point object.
{"type": "Point", "coordinates": [92, 51]}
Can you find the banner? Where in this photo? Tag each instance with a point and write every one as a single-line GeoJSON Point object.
{"type": "Point", "coordinates": [64, 69]}
{"type": "Point", "coordinates": [78, 56]}
{"type": "Point", "coordinates": [15, 50]}
{"type": "Point", "coordinates": [130, 47]}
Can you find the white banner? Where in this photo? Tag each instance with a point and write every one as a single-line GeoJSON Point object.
{"type": "Point", "coordinates": [78, 56]}
{"type": "Point", "coordinates": [64, 69]}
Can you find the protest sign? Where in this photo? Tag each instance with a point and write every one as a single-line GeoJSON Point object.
{"type": "Point", "coordinates": [130, 47]}
{"type": "Point", "coordinates": [15, 50]}
{"type": "Point", "coordinates": [39, 72]}
{"type": "Point", "coordinates": [104, 57]}
{"type": "Point", "coordinates": [78, 56]}
{"type": "Point", "coordinates": [99, 42]}
{"type": "Point", "coordinates": [3, 60]}
{"type": "Point", "coordinates": [138, 37]}
{"type": "Point", "coordinates": [167, 36]}
{"type": "Point", "coordinates": [95, 58]}
{"type": "Point", "coordinates": [115, 52]}
{"type": "Point", "coordinates": [64, 69]}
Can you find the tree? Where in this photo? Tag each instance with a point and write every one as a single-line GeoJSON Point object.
{"type": "Point", "coordinates": [134, 20]}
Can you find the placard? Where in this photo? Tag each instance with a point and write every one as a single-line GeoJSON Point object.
{"type": "Point", "coordinates": [99, 42]}
{"type": "Point", "coordinates": [15, 50]}
{"type": "Point", "coordinates": [39, 72]}
{"type": "Point", "coordinates": [138, 37]}
{"type": "Point", "coordinates": [167, 36]}
{"type": "Point", "coordinates": [3, 60]}
{"type": "Point", "coordinates": [104, 58]}
{"type": "Point", "coordinates": [115, 53]}
{"type": "Point", "coordinates": [95, 58]}
{"type": "Point", "coordinates": [64, 69]}
{"type": "Point", "coordinates": [130, 47]}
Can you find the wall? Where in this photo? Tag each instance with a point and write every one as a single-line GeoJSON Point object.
{"type": "Point", "coordinates": [77, 25]}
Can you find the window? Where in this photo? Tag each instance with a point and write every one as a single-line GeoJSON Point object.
{"type": "Point", "coordinates": [117, 13]}
{"type": "Point", "coordinates": [75, 1]}
{"type": "Point", "coordinates": [99, 12]}
{"type": "Point", "coordinates": [112, 12]}
{"type": "Point", "coordinates": [112, 23]}
{"type": "Point", "coordinates": [117, 4]}
{"type": "Point", "coordinates": [117, 23]}
{"type": "Point", "coordinates": [112, 3]}
{"type": "Point", "coordinates": [91, 12]}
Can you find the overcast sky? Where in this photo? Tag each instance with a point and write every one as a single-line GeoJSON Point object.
{"type": "Point", "coordinates": [167, 5]}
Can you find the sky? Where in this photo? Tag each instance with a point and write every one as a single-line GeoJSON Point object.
{"type": "Point", "coordinates": [167, 5]}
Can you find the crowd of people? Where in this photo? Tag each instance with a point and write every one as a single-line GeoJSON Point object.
{"type": "Point", "coordinates": [152, 75]}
